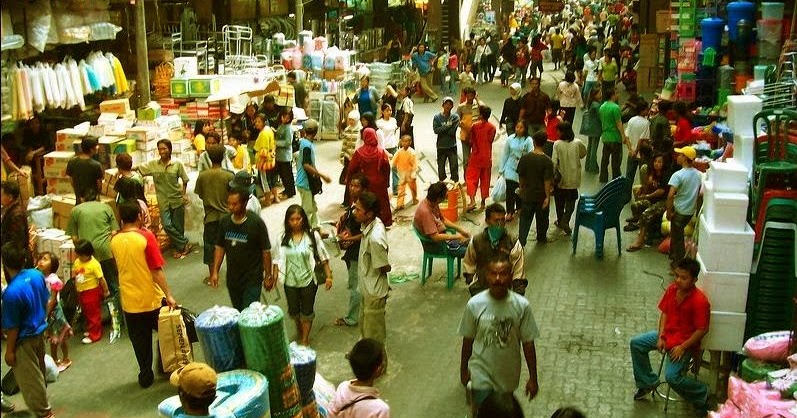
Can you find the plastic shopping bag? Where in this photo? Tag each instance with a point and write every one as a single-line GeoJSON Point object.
{"type": "Point", "coordinates": [499, 190]}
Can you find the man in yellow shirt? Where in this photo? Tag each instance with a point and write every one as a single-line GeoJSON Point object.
{"type": "Point", "coordinates": [142, 285]}
{"type": "Point", "coordinates": [557, 48]}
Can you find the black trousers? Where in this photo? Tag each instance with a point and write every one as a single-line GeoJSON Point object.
{"type": "Point", "coordinates": [285, 171]}
{"type": "Point", "coordinates": [139, 328]}
{"type": "Point", "coordinates": [449, 154]}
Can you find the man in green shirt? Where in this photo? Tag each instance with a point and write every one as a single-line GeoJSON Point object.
{"type": "Point", "coordinates": [608, 72]}
{"type": "Point", "coordinates": [166, 174]}
{"type": "Point", "coordinates": [612, 136]}
{"type": "Point", "coordinates": [211, 187]}
{"type": "Point", "coordinates": [95, 221]}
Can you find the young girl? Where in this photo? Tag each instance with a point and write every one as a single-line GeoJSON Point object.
{"type": "Point", "coordinates": [201, 129]}
{"type": "Point", "coordinates": [405, 163]}
{"type": "Point", "coordinates": [387, 133]}
{"type": "Point", "coordinates": [241, 160]}
{"type": "Point", "coordinates": [91, 287]}
{"type": "Point", "coordinates": [516, 146]}
{"type": "Point", "coordinates": [552, 119]}
{"type": "Point", "coordinates": [300, 250]}
{"type": "Point", "coordinates": [58, 329]}
{"type": "Point", "coordinates": [349, 136]}
{"type": "Point", "coordinates": [284, 142]}
{"type": "Point", "coordinates": [405, 112]}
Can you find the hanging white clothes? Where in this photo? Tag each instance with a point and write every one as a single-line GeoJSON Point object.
{"type": "Point", "coordinates": [36, 88]}
{"type": "Point", "coordinates": [74, 80]}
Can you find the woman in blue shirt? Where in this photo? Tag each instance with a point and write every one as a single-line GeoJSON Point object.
{"type": "Point", "coordinates": [366, 96]}
{"type": "Point", "coordinates": [517, 145]}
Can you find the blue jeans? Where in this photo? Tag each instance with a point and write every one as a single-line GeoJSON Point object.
{"type": "Point", "coordinates": [675, 372]}
{"type": "Point", "coordinates": [353, 313]}
{"type": "Point", "coordinates": [173, 222]}
{"type": "Point", "coordinates": [528, 211]}
{"type": "Point", "coordinates": [242, 297]}
{"type": "Point", "coordinates": [394, 177]}
{"type": "Point", "coordinates": [631, 167]}
{"type": "Point", "coordinates": [587, 89]}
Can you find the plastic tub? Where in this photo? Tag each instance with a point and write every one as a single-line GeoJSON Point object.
{"type": "Point", "coordinates": [770, 30]}
{"type": "Point", "coordinates": [772, 11]}
{"type": "Point", "coordinates": [712, 28]}
{"type": "Point", "coordinates": [737, 11]}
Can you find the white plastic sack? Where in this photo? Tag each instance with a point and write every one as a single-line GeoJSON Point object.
{"type": "Point", "coordinates": [39, 19]}
{"type": "Point", "coordinates": [51, 369]}
{"type": "Point", "coordinates": [499, 190]}
{"type": "Point", "coordinates": [39, 202]}
{"type": "Point", "coordinates": [41, 218]}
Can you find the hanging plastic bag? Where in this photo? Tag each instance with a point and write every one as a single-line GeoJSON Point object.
{"type": "Point", "coordinates": [39, 18]}
{"type": "Point", "coordinates": [499, 190]}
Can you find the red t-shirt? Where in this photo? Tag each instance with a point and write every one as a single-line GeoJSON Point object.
{"type": "Point", "coordinates": [683, 132]}
{"type": "Point", "coordinates": [482, 135]}
{"type": "Point", "coordinates": [552, 128]}
{"type": "Point", "coordinates": [683, 319]}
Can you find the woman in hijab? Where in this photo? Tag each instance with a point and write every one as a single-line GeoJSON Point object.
{"type": "Point", "coordinates": [511, 112]}
{"type": "Point", "coordinates": [372, 161]}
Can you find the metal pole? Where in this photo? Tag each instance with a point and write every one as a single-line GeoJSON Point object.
{"type": "Point", "coordinates": [142, 63]}
{"type": "Point", "coordinates": [299, 17]}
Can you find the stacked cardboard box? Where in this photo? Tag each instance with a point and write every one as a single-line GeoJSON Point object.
{"type": "Point", "coordinates": [647, 74]}
{"type": "Point", "coordinates": [57, 242]}
{"type": "Point", "coordinates": [62, 208]}
{"type": "Point", "coordinates": [55, 171]}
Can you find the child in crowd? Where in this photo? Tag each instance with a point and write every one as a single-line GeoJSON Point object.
{"type": "Point", "coordinates": [350, 135]}
{"type": "Point", "coordinates": [358, 397]}
{"type": "Point", "coordinates": [201, 130]}
{"type": "Point", "coordinates": [241, 160]}
{"type": "Point", "coordinates": [306, 167]}
{"type": "Point", "coordinates": [466, 80]}
{"type": "Point", "coordinates": [126, 188]}
{"type": "Point", "coordinates": [552, 118]}
{"type": "Point", "coordinates": [58, 329]}
{"type": "Point", "coordinates": [405, 162]}
{"type": "Point", "coordinates": [91, 287]}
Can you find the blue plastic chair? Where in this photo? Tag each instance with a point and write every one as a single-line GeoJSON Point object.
{"type": "Point", "coordinates": [604, 213]}
{"type": "Point", "coordinates": [432, 250]}
{"type": "Point", "coordinates": [588, 201]}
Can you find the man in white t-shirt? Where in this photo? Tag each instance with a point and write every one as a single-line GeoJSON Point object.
{"type": "Point", "coordinates": [638, 132]}
{"type": "Point", "coordinates": [495, 325]}
{"type": "Point", "coordinates": [590, 72]}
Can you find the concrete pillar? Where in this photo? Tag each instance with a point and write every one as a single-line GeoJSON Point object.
{"type": "Point", "coordinates": [142, 63]}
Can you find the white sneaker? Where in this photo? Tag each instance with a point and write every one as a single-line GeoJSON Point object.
{"type": "Point", "coordinates": [87, 340]}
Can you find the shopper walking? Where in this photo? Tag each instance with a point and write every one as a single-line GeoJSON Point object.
{"type": "Point", "coordinates": [535, 171]}
{"type": "Point", "coordinates": [516, 146]}
{"type": "Point", "coordinates": [569, 95]}
{"type": "Point", "coordinates": [373, 267]}
{"type": "Point", "coordinates": [510, 114]}
{"type": "Point", "coordinates": [300, 253]}
{"type": "Point", "coordinates": [591, 128]}
{"type": "Point", "coordinates": [283, 139]}
{"type": "Point", "coordinates": [84, 170]}
{"type": "Point", "coordinates": [307, 167]}
{"type": "Point", "coordinates": [388, 137]}
{"type": "Point", "coordinates": [211, 186]}
{"type": "Point", "coordinates": [535, 104]}
{"type": "Point", "coordinates": [567, 154]}
{"type": "Point", "coordinates": [612, 136]}
{"type": "Point", "coordinates": [477, 172]}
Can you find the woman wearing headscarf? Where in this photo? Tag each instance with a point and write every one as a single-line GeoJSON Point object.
{"type": "Point", "coordinates": [372, 161]}
{"type": "Point", "coordinates": [511, 112]}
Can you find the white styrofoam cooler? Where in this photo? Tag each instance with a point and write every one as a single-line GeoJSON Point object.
{"type": "Point", "coordinates": [744, 151]}
{"type": "Point", "coordinates": [725, 331]}
{"type": "Point", "coordinates": [726, 251]}
{"type": "Point", "coordinates": [741, 110]}
{"type": "Point", "coordinates": [727, 292]}
{"type": "Point", "coordinates": [730, 176]}
{"type": "Point", "coordinates": [724, 211]}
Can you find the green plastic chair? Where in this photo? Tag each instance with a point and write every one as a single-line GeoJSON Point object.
{"type": "Point", "coordinates": [432, 250]}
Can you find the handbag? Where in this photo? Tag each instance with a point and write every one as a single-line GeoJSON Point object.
{"type": "Point", "coordinates": [316, 186]}
{"type": "Point", "coordinates": [189, 319]}
{"type": "Point", "coordinates": [590, 123]}
{"type": "Point", "coordinates": [319, 271]}
{"type": "Point", "coordinates": [9, 384]}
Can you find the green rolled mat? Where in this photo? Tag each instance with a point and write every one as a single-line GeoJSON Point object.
{"type": "Point", "coordinates": [754, 370]}
{"type": "Point", "coordinates": [265, 347]}
{"type": "Point", "coordinates": [295, 412]}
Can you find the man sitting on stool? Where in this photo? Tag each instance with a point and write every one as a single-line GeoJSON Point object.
{"type": "Point", "coordinates": [684, 320]}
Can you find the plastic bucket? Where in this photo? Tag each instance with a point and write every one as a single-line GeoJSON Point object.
{"type": "Point", "coordinates": [712, 28]}
{"type": "Point", "coordinates": [737, 11]}
{"type": "Point", "coordinates": [770, 30]}
{"type": "Point", "coordinates": [772, 11]}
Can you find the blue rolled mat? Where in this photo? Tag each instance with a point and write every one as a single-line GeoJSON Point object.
{"type": "Point", "coordinates": [303, 360]}
{"type": "Point", "coordinates": [217, 329]}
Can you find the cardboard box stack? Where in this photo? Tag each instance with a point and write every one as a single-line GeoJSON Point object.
{"type": "Point", "coordinates": [55, 171]}
{"type": "Point", "coordinates": [725, 253]}
{"type": "Point", "coordinates": [649, 62]}
{"type": "Point", "coordinates": [63, 204]}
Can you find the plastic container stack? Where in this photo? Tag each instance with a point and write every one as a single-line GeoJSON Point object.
{"type": "Point", "coordinates": [770, 32]}
{"type": "Point", "coordinates": [725, 254]}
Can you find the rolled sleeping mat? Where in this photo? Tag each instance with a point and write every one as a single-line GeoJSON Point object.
{"type": "Point", "coordinates": [239, 394]}
{"type": "Point", "coordinates": [217, 329]}
{"type": "Point", "coordinates": [303, 360]}
{"type": "Point", "coordinates": [265, 347]}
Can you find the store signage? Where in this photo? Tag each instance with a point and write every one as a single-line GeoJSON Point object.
{"type": "Point", "coordinates": [551, 6]}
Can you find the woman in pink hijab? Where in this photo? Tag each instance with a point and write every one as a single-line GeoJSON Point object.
{"type": "Point", "coordinates": [373, 162]}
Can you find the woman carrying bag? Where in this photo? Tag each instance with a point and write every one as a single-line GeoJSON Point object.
{"type": "Point", "coordinates": [303, 261]}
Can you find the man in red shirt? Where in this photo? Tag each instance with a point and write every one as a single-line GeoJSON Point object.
{"type": "Point", "coordinates": [685, 312]}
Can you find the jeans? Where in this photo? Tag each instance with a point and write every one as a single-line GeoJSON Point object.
{"type": "Point", "coordinates": [139, 328]}
{"type": "Point", "coordinates": [591, 165]}
{"type": "Point", "coordinates": [484, 71]}
{"type": "Point", "coordinates": [285, 171]}
{"type": "Point", "coordinates": [394, 177]}
{"type": "Point", "coordinates": [449, 154]}
{"type": "Point", "coordinates": [588, 85]}
{"type": "Point", "coordinates": [243, 296]}
{"type": "Point", "coordinates": [173, 222]}
{"type": "Point", "coordinates": [528, 211]}
{"type": "Point", "coordinates": [520, 74]}
{"type": "Point", "coordinates": [353, 312]}
{"type": "Point", "coordinates": [512, 199]}
{"type": "Point", "coordinates": [675, 372]}
{"type": "Point", "coordinates": [631, 167]}
{"type": "Point", "coordinates": [677, 226]}
{"type": "Point", "coordinates": [565, 200]}
{"type": "Point", "coordinates": [613, 151]}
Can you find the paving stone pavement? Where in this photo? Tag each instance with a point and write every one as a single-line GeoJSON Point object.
{"type": "Point", "coordinates": [586, 310]}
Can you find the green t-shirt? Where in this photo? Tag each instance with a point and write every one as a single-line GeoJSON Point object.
{"type": "Point", "coordinates": [610, 113]}
{"type": "Point", "coordinates": [609, 70]}
{"type": "Point", "coordinates": [94, 221]}
{"type": "Point", "coordinates": [211, 187]}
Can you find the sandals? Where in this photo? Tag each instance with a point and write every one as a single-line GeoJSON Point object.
{"type": "Point", "coordinates": [470, 208]}
{"type": "Point", "coordinates": [342, 323]}
{"type": "Point", "coordinates": [634, 248]}
{"type": "Point", "coordinates": [63, 365]}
